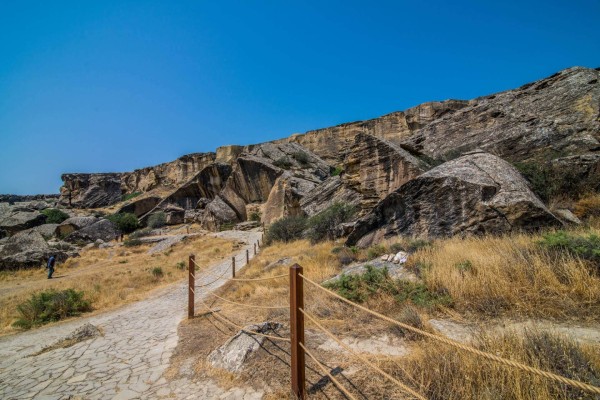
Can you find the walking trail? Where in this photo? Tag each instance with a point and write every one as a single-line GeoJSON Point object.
{"type": "Point", "coordinates": [127, 362]}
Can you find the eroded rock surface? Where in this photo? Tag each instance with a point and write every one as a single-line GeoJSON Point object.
{"type": "Point", "coordinates": [14, 219]}
{"type": "Point", "coordinates": [103, 229]}
{"type": "Point", "coordinates": [477, 193]}
{"type": "Point", "coordinates": [90, 190]}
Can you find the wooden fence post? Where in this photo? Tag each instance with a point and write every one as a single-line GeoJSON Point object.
{"type": "Point", "coordinates": [297, 330]}
{"type": "Point", "coordinates": [191, 284]}
{"type": "Point", "coordinates": [247, 257]}
{"type": "Point", "coordinates": [254, 248]}
{"type": "Point", "coordinates": [233, 267]}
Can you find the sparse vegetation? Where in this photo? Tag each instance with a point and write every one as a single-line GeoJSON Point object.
{"type": "Point", "coordinates": [325, 225]}
{"type": "Point", "coordinates": [140, 233]}
{"type": "Point", "coordinates": [157, 272]}
{"type": "Point", "coordinates": [283, 162]}
{"type": "Point", "coordinates": [126, 222]}
{"type": "Point", "coordinates": [466, 377]}
{"type": "Point", "coordinates": [54, 215]}
{"type": "Point", "coordinates": [301, 157]}
{"type": "Point", "coordinates": [588, 206]}
{"type": "Point", "coordinates": [132, 242]}
{"type": "Point", "coordinates": [286, 229]}
{"type": "Point", "coordinates": [337, 170]}
{"type": "Point", "coordinates": [49, 306]}
{"type": "Point", "coordinates": [585, 246]}
{"type": "Point", "coordinates": [255, 216]}
{"type": "Point", "coordinates": [130, 196]}
{"type": "Point", "coordinates": [157, 220]}
{"type": "Point", "coordinates": [180, 265]}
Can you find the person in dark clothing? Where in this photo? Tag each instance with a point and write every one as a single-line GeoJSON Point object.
{"type": "Point", "coordinates": [50, 266]}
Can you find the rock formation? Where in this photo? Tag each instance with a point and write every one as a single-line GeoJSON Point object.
{"type": "Point", "coordinates": [90, 190]}
{"type": "Point", "coordinates": [103, 229]}
{"type": "Point", "coordinates": [73, 224]}
{"type": "Point", "coordinates": [478, 193]}
{"type": "Point", "coordinates": [24, 250]}
{"type": "Point", "coordinates": [13, 220]}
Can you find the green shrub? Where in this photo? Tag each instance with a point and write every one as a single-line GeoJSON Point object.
{"type": "Point", "coordinates": [54, 215]}
{"type": "Point", "coordinates": [346, 256]}
{"type": "Point", "coordinates": [132, 242]}
{"type": "Point", "coordinates": [255, 216]}
{"type": "Point", "coordinates": [226, 226]}
{"type": "Point", "coordinates": [180, 265]}
{"type": "Point", "coordinates": [283, 163]}
{"type": "Point", "coordinates": [359, 287]}
{"type": "Point", "coordinates": [325, 224]}
{"type": "Point", "coordinates": [396, 247]}
{"type": "Point", "coordinates": [157, 272]}
{"type": "Point", "coordinates": [417, 244]}
{"type": "Point", "coordinates": [335, 171]}
{"type": "Point", "coordinates": [301, 157]}
{"type": "Point", "coordinates": [157, 220]}
{"type": "Point", "coordinates": [126, 222]}
{"type": "Point", "coordinates": [51, 305]}
{"type": "Point", "coordinates": [585, 247]}
{"type": "Point", "coordinates": [130, 196]}
{"type": "Point", "coordinates": [140, 233]}
{"type": "Point", "coordinates": [376, 251]}
{"type": "Point", "coordinates": [286, 229]}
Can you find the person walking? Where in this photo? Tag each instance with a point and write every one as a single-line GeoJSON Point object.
{"type": "Point", "coordinates": [50, 266]}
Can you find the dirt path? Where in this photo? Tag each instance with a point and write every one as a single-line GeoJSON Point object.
{"type": "Point", "coordinates": [127, 362]}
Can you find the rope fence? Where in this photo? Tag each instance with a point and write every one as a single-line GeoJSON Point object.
{"type": "Point", "coordinates": [297, 342]}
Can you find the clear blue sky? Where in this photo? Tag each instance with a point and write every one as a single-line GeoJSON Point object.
{"type": "Point", "coordinates": [101, 86]}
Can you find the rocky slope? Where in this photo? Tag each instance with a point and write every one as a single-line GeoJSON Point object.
{"type": "Point", "coordinates": [549, 127]}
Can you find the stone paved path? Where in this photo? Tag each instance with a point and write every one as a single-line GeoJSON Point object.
{"type": "Point", "coordinates": [128, 362]}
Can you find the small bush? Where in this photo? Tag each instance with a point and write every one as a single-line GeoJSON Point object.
{"type": "Point", "coordinates": [126, 222]}
{"type": "Point", "coordinates": [132, 242]}
{"type": "Point", "coordinates": [286, 229]}
{"type": "Point", "coordinates": [585, 247]}
{"type": "Point", "coordinates": [396, 247]}
{"type": "Point", "coordinates": [51, 305]}
{"type": "Point", "coordinates": [376, 251]}
{"type": "Point", "coordinates": [157, 220]}
{"type": "Point", "coordinates": [301, 157]}
{"type": "Point", "coordinates": [335, 171]}
{"type": "Point", "coordinates": [588, 206]}
{"type": "Point", "coordinates": [417, 244]}
{"type": "Point", "coordinates": [54, 215]}
{"type": "Point", "coordinates": [283, 163]}
{"type": "Point", "coordinates": [130, 196]}
{"type": "Point", "coordinates": [226, 226]}
{"type": "Point", "coordinates": [140, 233]}
{"type": "Point", "coordinates": [346, 256]}
{"type": "Point", "coordinates": [255, 216]}
{"type": "Point", "coordinates": [410, 316]}
{"type": "Point", "coordinates": [324, 225]}
{"type": "Point", "coordinates": [359, 287]}
{"type": "Point", "coordinates": [157, 272]}
{"type": "Point", "coordinates": [180, 265]}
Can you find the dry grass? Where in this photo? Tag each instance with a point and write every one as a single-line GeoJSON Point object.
{"type": "Point", "coordinates": [588, 206]}
{"type": "Point", "coordinates": [109, 277]}
{"type": "Point", "coordinates": [510, 275]}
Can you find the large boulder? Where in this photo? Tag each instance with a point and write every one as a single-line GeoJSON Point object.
{"type": "Point", "coordinates": [73, 224]}
{"type": "Point", "coordinates": [140, 206]}
{"type": "Point", "coordinates": [24, 250]}
{"type": "Point", "coordinates": [103, 229]}
{"type": "Point", "coordinates": [90, 190]}
{"type": "Point", "coordinates": [284, 199]}
{"type": "Point", "coordinates": [331, 191]}
{"type": "Point", "coordinates": [15, 220]}
{"type": "Point", "coordinates": [475, 194]}
{"type": "Point", "coordinates": [218, 213]}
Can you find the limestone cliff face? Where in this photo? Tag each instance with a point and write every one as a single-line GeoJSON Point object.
{"type": "Point", "coordinates": [101, 190]}
{"type": "Point", "coordinates": [333, 144]}
{"type": "Point", "coordinates": [376, 167]}
{"type": "Point", "coordinates": [168, 175]}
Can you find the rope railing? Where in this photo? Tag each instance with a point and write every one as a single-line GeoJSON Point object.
{"type": "Point", "coordinates": [287, 307]}
{"type": "Point", "coordinates": [215, 313]}
{"type": "Point", "coordinates": [549, 375]}
{"type": "Point", "coordinates": [246, 279]}
{"type": "Point", "coordinates": [401, 385]}
{"type": "Point", "coordinates": [326, 372]}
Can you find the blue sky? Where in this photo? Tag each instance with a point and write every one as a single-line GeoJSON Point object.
{"type": "Point", "coordinates": [102, 86]}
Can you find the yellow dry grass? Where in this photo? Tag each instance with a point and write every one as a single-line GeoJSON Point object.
{"type": "Point", "coordinates": [510, 276]}
{"type": "Point", "coordinates": [109, 277]}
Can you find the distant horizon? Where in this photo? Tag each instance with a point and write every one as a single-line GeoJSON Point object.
{"type": "Point", "coordinates": [104, 86]}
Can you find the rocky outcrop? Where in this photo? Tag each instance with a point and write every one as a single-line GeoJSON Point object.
{"type": "Point", "coordinates": [24, 250]}
{"type": "Point", "coordinates": [551, 118]}
{"type": "Point", "coordinates": [15, 219]}
{"type": "Point", "coordinates": [218, 213]}
{"type": "Point", "coordinates": [276, 174]}
{"type": "Point", "coordinates": [140, 206]}
{"type": "Point", "coordinates": [103, 229]}
{"type": "Point", "coordinates": [168, 175]}
{"type": "Point", "coordinates": [90, 190]}
{"type": "Point", "coordinates": [376, 167]}
{"type": "Point", "coordinates": [329, 192]}
{"type": "Point", "coordinates": [16, 198]}
{"type": "Point", "coordinates": [228, 154]}
{"type": "Point", "coordinates": [475, 194]}
{"type": "Point", "coordinates": [73, 224]}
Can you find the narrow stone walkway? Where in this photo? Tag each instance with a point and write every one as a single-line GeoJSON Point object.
{"type": "Point", "coordinates": [127, 362]}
